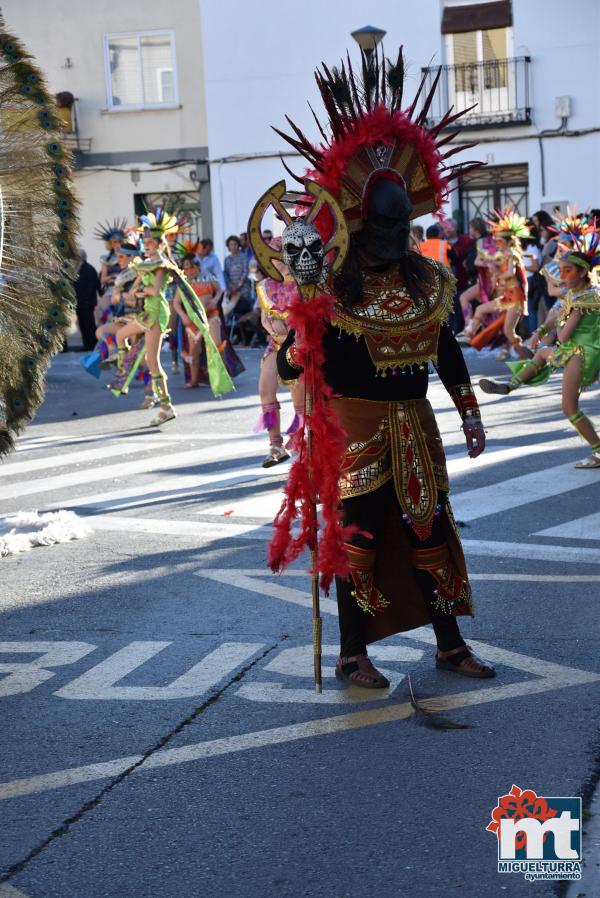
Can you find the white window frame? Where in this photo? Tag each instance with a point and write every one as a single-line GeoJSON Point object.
{"type": "Point", "coordinates": [159, 83]}
{"type": "Point", "coordinates": [172, 104]}
{"type": "Point", "coordinates": [510, 52]}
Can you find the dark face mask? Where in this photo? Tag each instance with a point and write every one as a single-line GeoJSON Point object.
{"type": "Point", "coordinates": [387, 225]}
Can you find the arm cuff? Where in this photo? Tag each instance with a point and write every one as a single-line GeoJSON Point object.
{"type": "Point", "coordinates": [466, 402]}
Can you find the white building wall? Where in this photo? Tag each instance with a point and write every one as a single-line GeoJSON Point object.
{"type": "Point", "coordinates": [59, 30]}
{"type": "Point", "coordinates": [268, 71]}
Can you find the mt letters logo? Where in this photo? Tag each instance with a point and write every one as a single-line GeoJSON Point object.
{"type": "Point", "coordinates": [539, 837]}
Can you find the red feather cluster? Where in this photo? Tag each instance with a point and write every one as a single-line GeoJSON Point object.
{"type": "Point", "coordinates": [314, 476]}
{"type": "Point", "coordinates": [381, 126]}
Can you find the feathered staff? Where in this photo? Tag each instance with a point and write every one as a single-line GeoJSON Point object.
{"type": "Point", "coordinates": [320, 441]}
{"type": "Point", "coordinates": [38, 224]}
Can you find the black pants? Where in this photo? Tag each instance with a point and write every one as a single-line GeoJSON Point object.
{"type": "Point", "coordinates": [368, 512]}
{"type": "Point", "coordinates": [87, 325]}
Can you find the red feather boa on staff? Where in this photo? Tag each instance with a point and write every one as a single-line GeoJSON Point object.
{"type": "Point", "coordinates": [313, 479]}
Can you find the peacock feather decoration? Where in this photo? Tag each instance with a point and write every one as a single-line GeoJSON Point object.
{"type": "Point", "coordinates": [38, 227]}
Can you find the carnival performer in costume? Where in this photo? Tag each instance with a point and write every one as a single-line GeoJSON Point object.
{"type": "Point", "coordinates": [112, 235]}
{"type": "Point", "coordinates": [209, 294]}
{"type": "Point", "coordinates": [153, 320]}
{"type": "Point", "coordinates": [402, 564]}
{"type": "Point", "coordinates": [569, 227]}
{"type": "Point", "coordinates": [483, 289]}
{"type": "Point", "coordinates": [511, 279]}
{"type": "Point", "coordinates": [274, 298]}
{"type": "Point", "coordinates": [124, 302]}
{"type": "Point", "coordinates": [38, 226]}
{"type": "Point", "coordinates": [578, 349]}
{"type": "Point", "coordinates": [154, 273]}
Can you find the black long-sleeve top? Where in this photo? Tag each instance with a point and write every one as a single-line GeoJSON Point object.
{"type": "Point", "coordinates": [350, 372]}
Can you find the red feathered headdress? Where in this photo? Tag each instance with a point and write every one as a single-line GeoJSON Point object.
{"type": "Point", "coordinates": [369, 136]}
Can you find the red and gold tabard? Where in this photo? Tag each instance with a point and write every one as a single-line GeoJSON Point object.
{"type": "Point", "coordinates": [399, 331]}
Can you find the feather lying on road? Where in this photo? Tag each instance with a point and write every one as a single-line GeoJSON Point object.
{"type": "Point", "coordinates": [428, 713]}
{"type": "Point", "coordinates": [25, 530]}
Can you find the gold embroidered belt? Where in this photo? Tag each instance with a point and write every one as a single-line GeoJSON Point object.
{"type": "Point", "coordinates": [398, 440]}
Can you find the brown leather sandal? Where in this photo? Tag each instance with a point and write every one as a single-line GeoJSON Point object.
{"type": "Point", "coordinates": [359, 671]}
{"type": "Point", "coordinates": [464, 661]}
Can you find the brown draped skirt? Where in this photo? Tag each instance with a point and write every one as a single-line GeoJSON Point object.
{"type": "Point", "coordinates": [400, 440]}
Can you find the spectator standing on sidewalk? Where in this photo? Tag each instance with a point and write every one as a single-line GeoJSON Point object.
{"type": "Point", "coordinates": [210, 266]}
{"type": "Point", "coordinates": [87, 290]}
{"type": "Point", "coordinates": [237, 283]}
{"type": "Point", "coordinates": [435, 246]}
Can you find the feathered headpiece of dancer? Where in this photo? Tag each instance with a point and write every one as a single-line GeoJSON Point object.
{"type": "Point", "coordinates": [115, 231]}
{"type": "Point", "coordinates": [158, 224]}
{"type": "Point", "coordinates": [508, 223]}
{"type": "Point", "coordinates": [38, 226]}
{"type": "Point", "coordinates": [586, 249]}
{"type": "Point", "coordinates": [369, 136]}
{"type": "Point", "coordinates": [187, 248]}
{"type": "Point", "coordinates": [571, 224]}
{"type": "Point", "coordinates": [130, 244]}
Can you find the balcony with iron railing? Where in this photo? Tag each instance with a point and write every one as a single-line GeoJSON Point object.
{"type": "Point", "coordinates": [66, 112]}
{"type": "Point", "coordinates": [498, 89]}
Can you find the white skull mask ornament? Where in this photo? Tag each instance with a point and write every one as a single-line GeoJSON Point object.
{"type": "Point", "coordinates": [303, 251]}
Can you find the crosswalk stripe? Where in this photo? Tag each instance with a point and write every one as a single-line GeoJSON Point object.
{"type": "Point", "coordinates": [531, 551]}
{"type": "Point", "coordinates": [208, 531]}
{"type": "Point", "coordinates": [160, 462]}
{"type": "Point", "coordinates": [587, 527]}
{"type": "Point", "coordinates": [171, 488]}
{"type": "Point", "coordinates": [523, 490]}
{"type": "Point", "coordinates": [188, 529]}
{"type": "Point", "coordinates": [83, 456]}
{"type": "Point", "coordinates": [266, 505]}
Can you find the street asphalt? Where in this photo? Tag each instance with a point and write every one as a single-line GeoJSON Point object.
{"type": "Point", "coordinates": [161, 735]}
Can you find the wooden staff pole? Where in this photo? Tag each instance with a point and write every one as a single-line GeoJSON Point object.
{"type": "Point", "coordinates": [316, 604]}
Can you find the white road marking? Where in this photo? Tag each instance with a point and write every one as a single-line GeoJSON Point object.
{"type": "Point", "coordinates": [265, 583]}
{"type": "Point", "coordinates": [547, 677]}
{"type": "Point", "coordinates": [26, 675]}
{"type": "Point", "coordinates": [539, 578]}
{"type": "Point", "coordinates": [299, 658]}
{"type": "Point", "coordinates": [171, 488]}
{"type": "Point", "coordinates": [7, 891]}
{"type": "Point", "coordinates": [116, 450]}
{"type": "Point", "coordinates": [99, 682]}
{"type": "Point", "coordinates": [51, 442]}
{"type": "Point", "coordinates": [266, 505]}
{"type": "Point", "coordinates": [162, 462]}
{"type": "Point", "coordinates": [197, 530]}
{"type": "Point", "coordinates": [470, 505]}
{"type": "Point", "coordinates": [587, 527]}
{"type": "Point", "coordinates": [209, 531]}
{"type": "Point", "coordinates": [531, 551]}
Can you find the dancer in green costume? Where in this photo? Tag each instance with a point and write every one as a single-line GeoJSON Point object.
{"type": "Point", "coordinates": [577, 351]}
{"type": "Point", "coordinates": [154, 273]}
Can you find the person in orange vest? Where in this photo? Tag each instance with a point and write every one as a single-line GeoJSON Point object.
{"type": "Point", "coordinates": [435, 246]}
